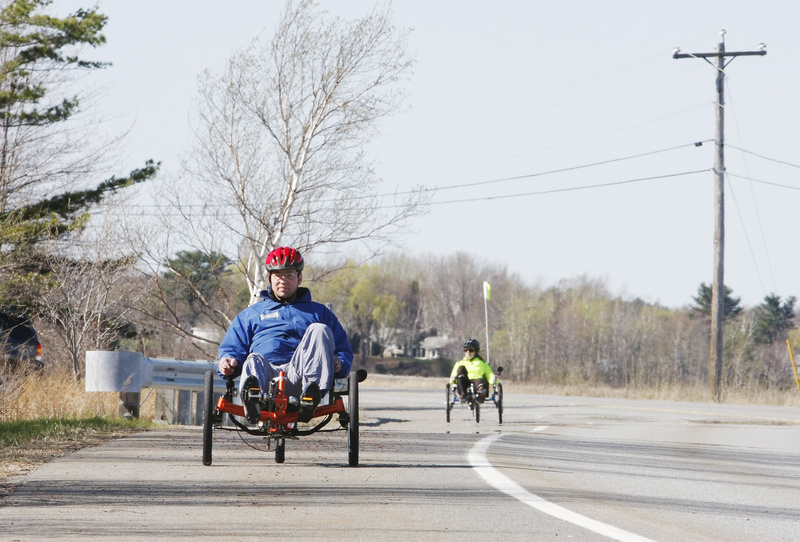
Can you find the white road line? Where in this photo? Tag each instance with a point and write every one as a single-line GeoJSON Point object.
{"type": "Point", "coordinates": [477, 458]}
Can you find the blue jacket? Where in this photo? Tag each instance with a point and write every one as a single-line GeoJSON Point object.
{"type": "Point", "coordinates": [274, 329]}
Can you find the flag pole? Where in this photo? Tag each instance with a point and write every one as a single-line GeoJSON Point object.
{"type": "Point", "coordinates": [487, 295]}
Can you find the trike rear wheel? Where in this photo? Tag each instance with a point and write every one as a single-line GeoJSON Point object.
{"type": "Point", "coordinates": [500, 401]}
{"type": "Point", "coordinates": [352, 426]}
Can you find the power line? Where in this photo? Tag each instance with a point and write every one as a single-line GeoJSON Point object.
{"type": "Point", "coordinates": [571, 189]}
{"type": "Point", "coordinates": [562, 170]}
{"type": "Point", "coordinates": [765, 157]}
{"type": "Point", "coordinates": [747, 237]}
{"type": "Point", "coordinates": [491, 181]}
{"type": "Point", "coordinates": [549, 147]}
{"type": "Point", "coordinates": [508, 196]}
{"type": "Point", "coordinates": [770, 183]}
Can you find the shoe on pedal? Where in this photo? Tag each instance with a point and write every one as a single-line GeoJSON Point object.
{"type": "Point", "coordinates": [251, 393]}
{"type": "Point", "coordinates": [308, 402]}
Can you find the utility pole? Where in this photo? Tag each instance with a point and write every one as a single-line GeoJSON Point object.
{"type": "Point", "coordinates": [718, 286]}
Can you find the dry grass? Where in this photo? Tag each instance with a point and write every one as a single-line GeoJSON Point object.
{"type": "Point", "coordinates": [51, 394]}
{"type": "Point", "coordinates": [55, 394]}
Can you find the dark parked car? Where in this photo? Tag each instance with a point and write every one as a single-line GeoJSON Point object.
{"type": "Point", "coordinates": [19, 343]}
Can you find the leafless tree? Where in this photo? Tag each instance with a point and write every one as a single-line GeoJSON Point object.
{"type": "Point", "coordinates": [456, 292]}
{"type": "Point", "coordinates": [403, 278]}
{"type": "Point", "coordinates": [280, 136]}
{"type": "Point", "coordinates": [85, 296]}
{"type": "Point", "coordinates": [157, 239]}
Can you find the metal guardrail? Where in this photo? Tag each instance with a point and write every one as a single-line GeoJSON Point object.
{"type": "Point", "coordinates": [178, 383]}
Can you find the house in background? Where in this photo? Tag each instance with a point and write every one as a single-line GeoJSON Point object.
{"type": "Point", "coordinates": [429, 348]}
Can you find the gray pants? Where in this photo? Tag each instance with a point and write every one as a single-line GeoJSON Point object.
{"type": "Point", "coordinates": [311, 362]}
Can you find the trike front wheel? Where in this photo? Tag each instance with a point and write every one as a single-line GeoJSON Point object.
{"type": "Point", "coordinates": [208, 417]}
{"type": "Point", "coordinates": [352, 426]}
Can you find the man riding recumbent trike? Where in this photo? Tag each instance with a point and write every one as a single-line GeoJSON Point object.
{"type": "Point", "coordinates": [470, 382]}
{"type": "Point", "coordinates": [290, 352]}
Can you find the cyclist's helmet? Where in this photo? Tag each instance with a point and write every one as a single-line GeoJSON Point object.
{"type": "Point", "coordinates": [284, 258]}
{"type": "Point", "coordinates": [472, 343]}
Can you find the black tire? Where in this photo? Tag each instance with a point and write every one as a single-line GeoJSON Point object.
{"type": "Point", "coordinates": [500, 401]}
{"type": "Point", "coordinates": [352, 426]}
{"type": "Point", "coordinates": [448, 403]}
{"type": "Point", "coordinates": [280, 450]}
{"type": "Point", "coordinates": [475, 404]}
{"type": "Point", "coordinates": [208, 417]}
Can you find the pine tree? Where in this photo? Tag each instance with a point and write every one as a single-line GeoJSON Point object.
{"type": "Point", "coordinates": [48, 171]}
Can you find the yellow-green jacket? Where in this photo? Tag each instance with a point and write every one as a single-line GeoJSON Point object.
{"type": "Point", "coordinates": [476, 368]}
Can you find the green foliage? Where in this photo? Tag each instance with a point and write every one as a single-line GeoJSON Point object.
{"type": "Point", "coordinates": [364, 302]}
{"type": "Point", "coordinates": [774, 319]}
{"type": "Point", "coordinates": [194, 278]}
{"type": "Point", "coordinates": [22, 432]}
{"type": "Point", "coordinates": [703, 300]}
{"type": "Point", "coordinates": [574, 333]}
{"type": "Point", "coordinates": [43, 172]}
{"type": "Point", "coordinates": [201, 272]}
{"type": "Point", "coordinates": [64, 213]}
{"type": "Point", "coordinates": [39, 41]}
{"type": "Point", "coordinates": [368, 303]}
{"type": "Point", "coordinates": [34, 45]}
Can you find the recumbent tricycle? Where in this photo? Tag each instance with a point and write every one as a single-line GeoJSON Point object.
{"type": "Point", "coordinates": [496, 397]}
{"type": "Point", "coordinates": [278, 420]}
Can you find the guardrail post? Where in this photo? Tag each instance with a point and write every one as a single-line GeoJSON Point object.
{"type": "Point", "coordinates": [184, 413]}
{"type": "Point", "coordinates": [165, 406]}
{"type": "Point", "coordinates": [129, 404]}
{"type": "Point", "coordinates": [199, 407]}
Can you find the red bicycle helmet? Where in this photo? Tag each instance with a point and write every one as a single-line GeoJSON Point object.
{"type": "Point", "coordinates": [284, 258]}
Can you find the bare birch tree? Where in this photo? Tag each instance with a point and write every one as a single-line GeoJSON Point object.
{"type": "Point", "coordinates": [280, 136]}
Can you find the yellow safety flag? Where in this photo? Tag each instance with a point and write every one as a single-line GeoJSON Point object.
{"type": "Point", "coordinates": [487, 291]}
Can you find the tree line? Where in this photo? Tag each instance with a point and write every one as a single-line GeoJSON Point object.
{"type": "Point", "coordinates": [573, 331]}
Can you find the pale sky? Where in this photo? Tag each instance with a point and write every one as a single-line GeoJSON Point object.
{"type": "Point", "coordinates": [531, 91]}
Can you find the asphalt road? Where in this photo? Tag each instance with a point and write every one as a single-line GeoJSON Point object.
{"type": "Point", "coordinates": [558, 468]}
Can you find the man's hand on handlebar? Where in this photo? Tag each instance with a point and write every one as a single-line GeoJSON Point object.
{"type": "Point", "coordinates": [227, 366]}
